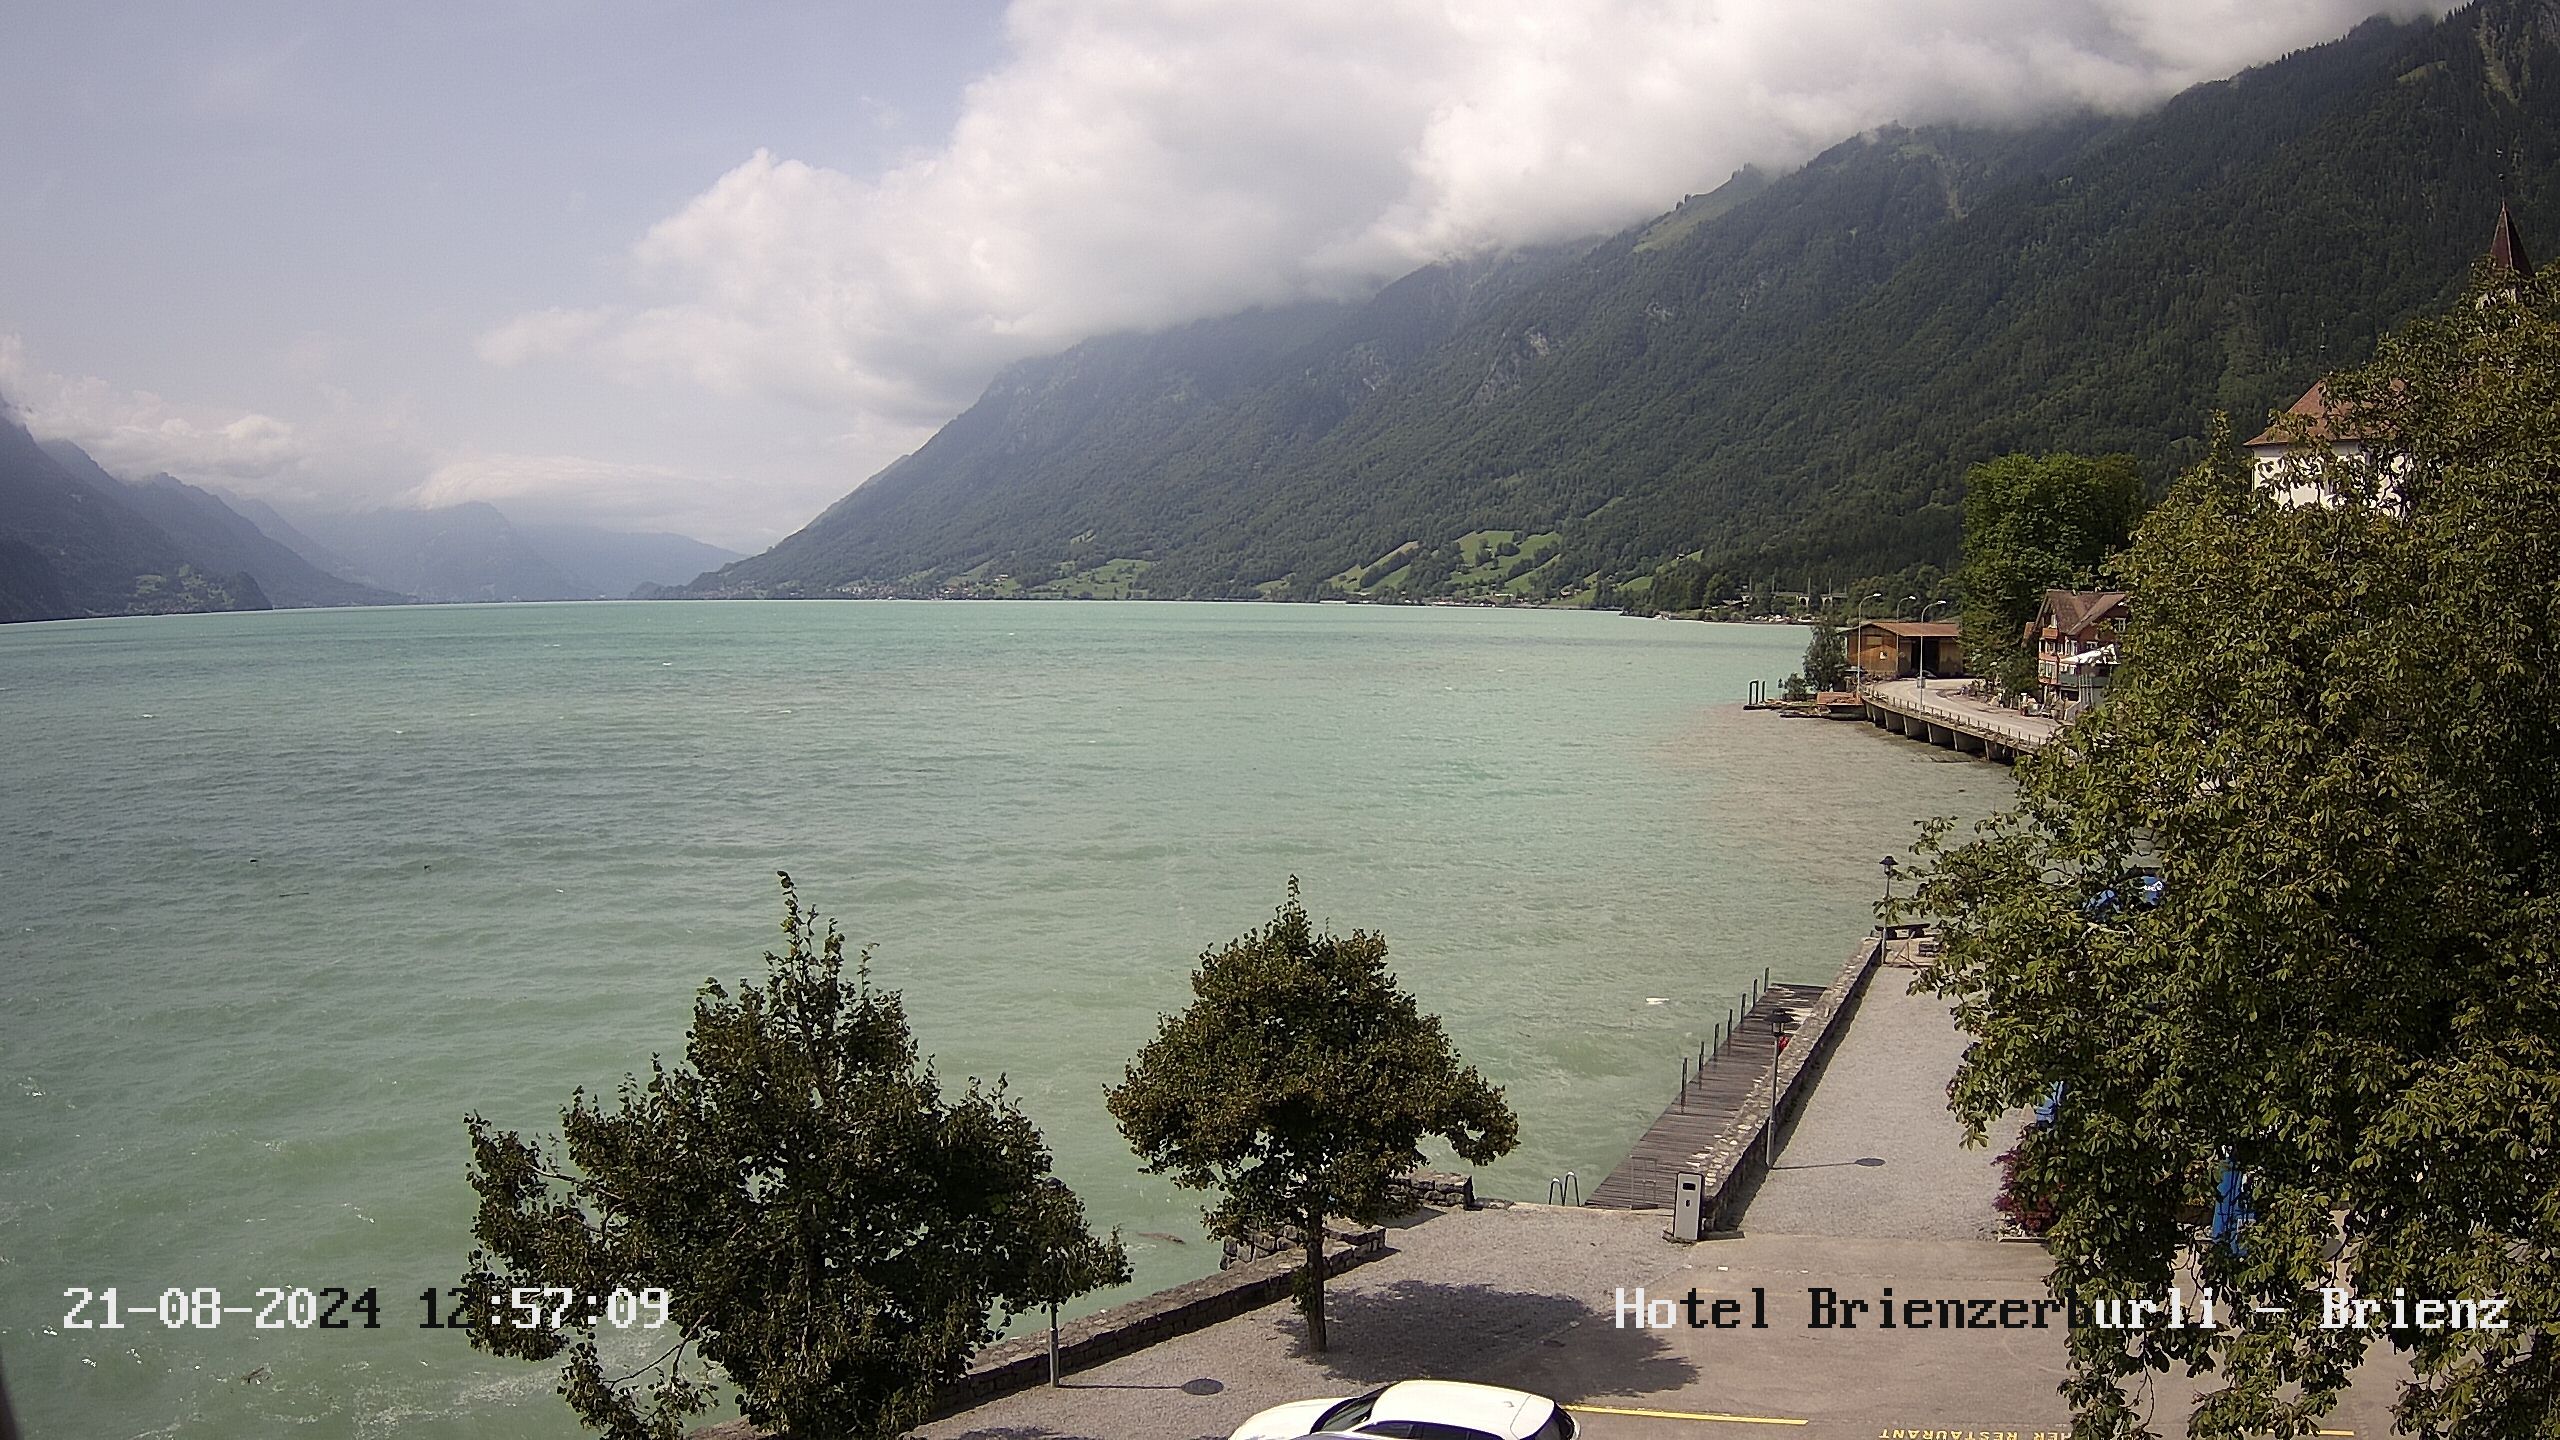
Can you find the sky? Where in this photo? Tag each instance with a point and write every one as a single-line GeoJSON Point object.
{"type": "Point", "coordinates": [699, 267]}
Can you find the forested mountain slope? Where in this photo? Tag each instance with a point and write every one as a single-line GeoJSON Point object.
{"type": "Point", "coordinates": [1786, 374]}
{"type": "Point", "coordinates": [218, 537]}
{"type": "Point", "coordinates": [70, 549]}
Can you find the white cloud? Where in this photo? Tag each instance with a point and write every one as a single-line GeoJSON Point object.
{"type": "Point", "coordinates": [135, 432]}
{"type": "Point", "coordinates": [357, 456]}
{"type": "Point", "coordinates": [540, 335]}
{"type": "Point", "coordinates": [612, 494]}
{"type": "Point", "coordinates": [1139, 163]}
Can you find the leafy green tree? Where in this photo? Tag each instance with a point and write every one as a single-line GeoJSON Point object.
{"type": "Point", "coordinates": [1069, 1259]}
{"type": "Point", "coordinates": [2335, 737]}
{"type": "Point", "coordinates": [1826, 657]}
{"type": "Point", "coordinates": [1300, 1083]}
{"type": "Point", "coordinates": [831, 1232]}
{"type": "Point", "coordinates": [2032, 522]}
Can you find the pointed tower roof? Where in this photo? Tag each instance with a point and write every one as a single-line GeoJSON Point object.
{"type": "Point", "coordinates": [2506, 247]}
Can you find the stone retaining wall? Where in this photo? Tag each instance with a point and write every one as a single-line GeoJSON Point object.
{"type": "Point", "coordinates": [1411, 1191]}
{"type": "Point", "coordinates": [1441, 1190]}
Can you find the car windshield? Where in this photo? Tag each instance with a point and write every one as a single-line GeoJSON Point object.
{"type": "Point", "coordinates": [1350, 1412]}
{"type": "Point", "coordinates": [1559, 1426]}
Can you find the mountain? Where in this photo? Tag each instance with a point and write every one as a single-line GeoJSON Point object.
{"type": "Point", "coordinates": [614, 563]}
{"type": "Point", "coordinates": [76, 540]}
{"type": "Point", "coordinates": [460, 552]}
{"type": "Point", "coordinates": [271, 522]}
{"type": "Point", "coordinates": [216, 537]}
{"type": "Point", "coordinates": [69, 548]}
{"type": "Point", "coordinates": [1788, 373]}
{"type": "Point", "coordinates": [474, 552]}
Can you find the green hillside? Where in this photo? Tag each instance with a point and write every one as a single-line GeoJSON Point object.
{"type": "Point", "coordinates": [1787, 375]}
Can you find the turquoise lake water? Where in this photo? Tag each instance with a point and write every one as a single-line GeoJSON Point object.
{"type": "Point", "coordinates": [282, 896]}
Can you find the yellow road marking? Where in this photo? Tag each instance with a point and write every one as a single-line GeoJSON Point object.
{"type": "Point", "coordinates": [1684, 1415]}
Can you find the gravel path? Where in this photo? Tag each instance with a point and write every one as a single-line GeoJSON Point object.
{"type": "Point", "coordinates": [1882, 1097]}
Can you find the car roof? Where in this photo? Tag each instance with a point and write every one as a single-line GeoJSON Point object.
{"type": "Point", "coordinates": [1478, 1407]}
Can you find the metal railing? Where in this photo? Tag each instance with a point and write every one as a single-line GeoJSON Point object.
{"type": "Point", "coordinates": [2009, 727]}
{"type": "Point", "coordinates": [1711, 1048]}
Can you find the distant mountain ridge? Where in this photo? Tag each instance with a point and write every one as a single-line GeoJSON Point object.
{"type": "Point", "coordinates": [1785, 374]}
{"type": "Point", "coordinates": [77, 541]}
{"type": "Point", "coordinates": [472, 551]}
{"type": "Point", "coordinates": [215, 535]}
{"type": "Point", "coordinates": [70, 549]}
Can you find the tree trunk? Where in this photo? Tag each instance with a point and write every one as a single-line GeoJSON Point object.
{"type": "Point", "coordinates": [1312, 1295]}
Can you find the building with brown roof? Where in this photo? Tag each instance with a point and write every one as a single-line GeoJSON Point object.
{"type": "Point", "coordinates": [2074, 637]}
{"type": "Point", "coordinates": [1898, 649]}
{"type": "Point", "coordinates": [2291, 455]}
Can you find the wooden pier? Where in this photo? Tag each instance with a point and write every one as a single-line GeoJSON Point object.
{"type": "Point", "coordinates": [1729, 1094]}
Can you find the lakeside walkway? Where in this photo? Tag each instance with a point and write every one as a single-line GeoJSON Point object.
{"type": "Point", "coordinates": [1943, 715]}
{"type": "Point", "coordinates": [1529, 1296]}
{"type": "Point", "coordinates": [1525, 1296]}
{"type": "Point", "coordinates": [1874, 1152]}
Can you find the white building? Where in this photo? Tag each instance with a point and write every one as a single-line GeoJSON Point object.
{"type": "Point", "coordinates": [2292, 456]}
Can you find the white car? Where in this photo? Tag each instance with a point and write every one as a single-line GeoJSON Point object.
{"type": "Point", "coordinates": [1417, 1410]}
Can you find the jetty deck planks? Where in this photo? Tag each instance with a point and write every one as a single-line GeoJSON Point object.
{"type": "Point", "coordinates": [1704, 1115]}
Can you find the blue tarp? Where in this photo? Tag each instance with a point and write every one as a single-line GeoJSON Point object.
{"type": "Point", "coordinates": [2231, 1208]}
{"type": "Point", "coordinates": [2105, 900]}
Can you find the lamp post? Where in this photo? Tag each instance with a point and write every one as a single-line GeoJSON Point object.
{"type": "Point", "coordinates": [1924, 643]}
{"type": "Point", "coordinates": [1769, 1156]}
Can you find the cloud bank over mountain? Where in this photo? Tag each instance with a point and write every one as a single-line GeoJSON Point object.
{"type": "Point", "coordinates": [670, 275]}
{"type": "Point", "coordinates": [1145, 162]}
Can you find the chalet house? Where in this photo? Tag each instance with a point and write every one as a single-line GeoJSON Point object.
{"type": "Point", "coordinates": [2074, 637]}
{"type": "Point", "coordinates": [2289, 455]}
{"type": "Point", "coordinates": [1899, 649]}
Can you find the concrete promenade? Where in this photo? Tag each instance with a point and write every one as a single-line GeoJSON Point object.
{"type": "Point", "coordinates": [1943, 716]}
{"type": "Point", "coordinates": [1527, 1296]}
{"type": "Point", "coordinates": [1874, 1152]}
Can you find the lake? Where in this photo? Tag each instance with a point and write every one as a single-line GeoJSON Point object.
{"type": "Point", "coordinates": [282, 896]}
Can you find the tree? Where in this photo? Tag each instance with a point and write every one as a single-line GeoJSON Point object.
{"type": "Point", "coordinates": [1069, 1259]}
{"type": "Point", "coordinates": [1300, 1083]}
{"type": "Point", "coordinates": [829, 1231]}
{"type": "Point", "coordinates": [1826, 657]}
{"type": "Point", "coordinates": [2033, 522]}
{"type": "Point", "coordinates": [2335, 738]}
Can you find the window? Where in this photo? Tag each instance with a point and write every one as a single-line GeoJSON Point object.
{"type": "Point", "coordinates": [1434, 1430]}
{"type": "Point", "coordinates": [1351, 1412]}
